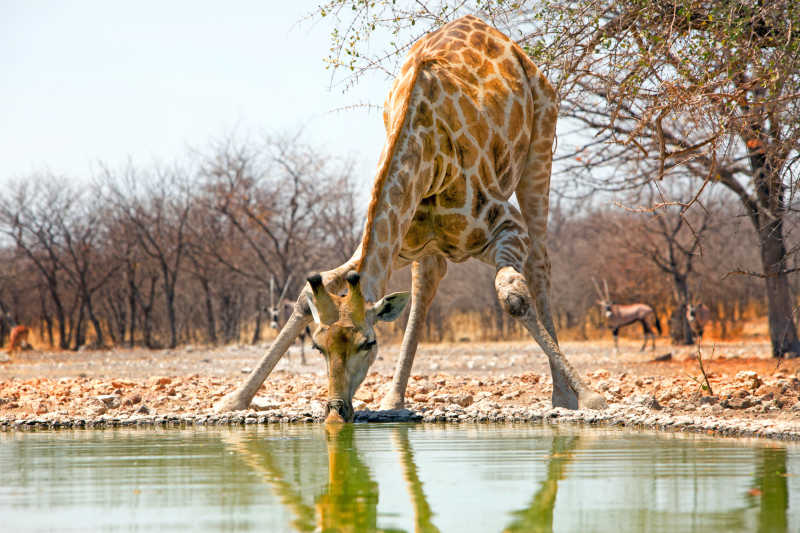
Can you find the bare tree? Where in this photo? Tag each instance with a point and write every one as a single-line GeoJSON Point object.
{"type": "Point", "coordinates": [156, 208]}
{"type": "Point", "coordinates": [29, 214]}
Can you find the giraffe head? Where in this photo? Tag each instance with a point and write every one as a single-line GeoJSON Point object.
{"type": "Point", "coordinates": [345, 336]}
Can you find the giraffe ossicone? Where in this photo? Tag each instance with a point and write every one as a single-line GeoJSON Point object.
{"type": "Point", "coordinates": [470, 120]}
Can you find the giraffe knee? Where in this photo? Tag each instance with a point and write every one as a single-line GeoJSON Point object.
{"type": "Point", "coordinates": [512, 291]}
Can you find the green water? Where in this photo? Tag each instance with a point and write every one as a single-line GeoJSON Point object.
{"type": "Point", "coordinates": [396, 478]}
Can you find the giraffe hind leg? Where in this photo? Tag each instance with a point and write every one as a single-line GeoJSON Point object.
{"type": "Point", "coordinates": [513, 292]}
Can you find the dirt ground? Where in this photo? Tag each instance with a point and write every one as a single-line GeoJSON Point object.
{"type": "Point", "coordinates": [745, 381]}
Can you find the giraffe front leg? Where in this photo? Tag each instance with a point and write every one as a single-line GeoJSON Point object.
{"type": "Point", "coordinates": [425, 277]}
{"type": "Point", "coordinates": [568, 389]}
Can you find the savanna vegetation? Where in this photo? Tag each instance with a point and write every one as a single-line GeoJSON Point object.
{"type": "Point", "coordinates": [675, 181]}
{"type": "Point", "coordinates": [186, 253]}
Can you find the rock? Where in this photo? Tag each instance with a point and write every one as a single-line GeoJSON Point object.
{"type": "Point", "coordinates": [601, 373]}
{"type": "Point", "coordinates": [664, 357]}
{"type": "Point", "coordinates": [750, 378]}
{"type": "Point", "coordinates": [645, 399]}
{"type": "Point", "coordinates": [143, 409]}
{"type": "Point", "coordinates": [110, 400]}
{"type": "Point", "coordinates": [737, 403]}
{"type": "Point", "coordinates": [264, 403]}
{"type": "Point", "coordinates": [464, 400]}
{"type": "Point", "coordinates": [708, 400]}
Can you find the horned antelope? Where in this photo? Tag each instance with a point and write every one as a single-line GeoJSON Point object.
{"type": "Point", "coordinates": [618, 316]}
{"type": "Point", "coordinates": [17, 339]}
{"type": "Point", "coordinates": [280, 311]}
{"type": "Point", "coordinates": [698, 315]}
{"type": "Point", "coordinates": [470, 121]}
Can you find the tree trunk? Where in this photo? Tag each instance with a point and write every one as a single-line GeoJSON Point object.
{"type": "Point", "coordinates": [98, 330]}
{"type": "Point", "coordinates": [211, 323]}
{"type": "Point", "coordinates": [173, 328]}
{"type": "Point", "coordinates": [259, 317]}
{"type": "Point", "coordinates": [680, 331]}
{"type": "Point", "coordinates": [80, 336]}
{"type": "Point", "coordinates": [782, 329]}
{"type": "Point", "coordinates": [132, 291]}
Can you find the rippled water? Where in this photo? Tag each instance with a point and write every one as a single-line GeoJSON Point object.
{"type": "Point", "coordinates": [396, 478]}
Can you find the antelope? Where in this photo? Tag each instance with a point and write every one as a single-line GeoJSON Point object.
{"type": "Point", "coordinates": [698, 315]}
{"type": "Point", "coordinates": [618, 316]}
{"type": "Point", "coordinates": [280, 311]}
{"type": "Point", "coordinates": [18, 338]}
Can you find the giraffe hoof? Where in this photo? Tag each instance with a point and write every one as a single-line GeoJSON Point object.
{"type": "Point", "coordinates": [231, 402]}
{"type": "Point", "coordinates": [392, 401]}
{"type": "Point", "coordinates": [591, 400]}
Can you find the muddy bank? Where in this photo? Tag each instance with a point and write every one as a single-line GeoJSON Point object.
{"type": "Point", "coordinates": [747, 393]}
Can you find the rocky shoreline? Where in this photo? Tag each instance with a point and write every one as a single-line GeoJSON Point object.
{"type": "Point", "coordinates": [632, 416]}
{"type": "Point", "coordinates": [743, 393]}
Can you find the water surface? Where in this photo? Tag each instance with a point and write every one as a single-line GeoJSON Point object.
{"type": "Point", "coordinates": [395, 478]}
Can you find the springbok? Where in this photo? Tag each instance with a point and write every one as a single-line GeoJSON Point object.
{"type": "Point", "coordinates": [280, 311]}
{"type": "Point", "coordinates": [470, 121]}
{"type": "Point", "coordinates": [698, 315]}
{"type": "Point", "coordinates": [18, 338]}
{"type": "Point", "coordinates": [618, 316]}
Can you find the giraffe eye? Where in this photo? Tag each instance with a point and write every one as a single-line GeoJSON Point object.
{"type": "Point", "coordinates": [317, 347]}
{"type": "Point", "coordinates": [367, 345]}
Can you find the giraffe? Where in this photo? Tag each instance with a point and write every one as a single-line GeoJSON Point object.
{"type": "Point", "coordinates": [470, 120]}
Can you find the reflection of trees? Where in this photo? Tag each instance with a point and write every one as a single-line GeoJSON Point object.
{"type": "Point", "coordinates": [774, 491]}
{"type": "Point", "coordinates": [538, 516]}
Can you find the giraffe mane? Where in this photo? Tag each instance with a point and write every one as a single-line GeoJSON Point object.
{"type": "Point", "coordinates": [386, 164]}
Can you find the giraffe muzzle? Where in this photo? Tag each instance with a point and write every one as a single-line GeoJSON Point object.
{"type": "Point", "coordinates": [338, 411]}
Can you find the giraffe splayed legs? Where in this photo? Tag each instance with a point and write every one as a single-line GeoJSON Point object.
{"type": "Point", "coordinates": [470, 121]}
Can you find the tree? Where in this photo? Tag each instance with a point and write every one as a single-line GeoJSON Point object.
{"type": "Point", "coordinates": [156, 208]}
{"type": "Point", "coordinates": [289, 207]}
{"type": "Point", "coordinates": [671, 239]}
{"type": "Point", "coordinates": [31, 212]}
{"type": "Point", "coordinates": [656, 90]}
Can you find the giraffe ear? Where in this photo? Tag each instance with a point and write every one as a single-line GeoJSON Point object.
{"type": "Point", "coordinates": [390, 307]}
{"type": "Point", "coordinates": [313, 308]}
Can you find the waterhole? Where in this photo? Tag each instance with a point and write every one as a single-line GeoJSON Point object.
{"type": "Point", "coordinates": [395, 477]}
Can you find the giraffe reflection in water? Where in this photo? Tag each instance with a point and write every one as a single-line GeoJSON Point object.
{"type": "Point", "coordinates": [349, 501]}
{"type": "Point", "coordinates": [538, 516]}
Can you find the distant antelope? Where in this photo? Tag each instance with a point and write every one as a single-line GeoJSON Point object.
{"type": "Point", "coordinates": [17, 338]}
{"type": "Point", "coordinates": [618, 316]}
{"type": "Point", "coordinates": [698, 315]}
{"type": "Point", "coordinates": [280, 311]}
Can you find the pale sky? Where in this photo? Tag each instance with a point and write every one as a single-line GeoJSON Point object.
{"type": "Point", "coordinates": [93, 81]}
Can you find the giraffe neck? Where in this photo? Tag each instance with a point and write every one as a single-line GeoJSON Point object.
{"type": "Point", "coordinates": [395, 195]}
{"type": "Point", "coordinates": [383, 236]}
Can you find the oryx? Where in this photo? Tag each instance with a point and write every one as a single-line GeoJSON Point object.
{"type": "Point", "coordinates": [698, 315]}
{"type": "Point", "coordinates": [280, 311]}
{"type": "Point", "coordinates": [618, 316]}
